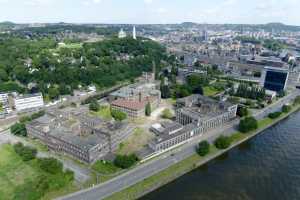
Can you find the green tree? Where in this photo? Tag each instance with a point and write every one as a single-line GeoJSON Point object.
{"type": "Point", "coordinates": [222, 142]}
{"type": "Point", "coordinates": [18, 129]}
{"type": "Point", "coordinates": [242, 111]}
{"type": "Point", "coordinates": [274, 115]}
{"type": "Point", "coordinates": [50, 165]}
{"type": "Point", "coordinates": [203, 148]}
{"type": "Point", "coordinates": [167, 114]}
{"type": "Point", "coordinates": [53, 93]}
{"type": "Point", "coordinates": [26, 153]}
{"type": "Point", "coordinates": [286, 108]}
{"type": "Point", "coordinates": [118, 115]}
{"type": "Point", "coordinates": [125, 161]}
{"type": "Point", "coordinates": [248, 124]}
{"type": "Point", "coordinates": [148, 109]}
{"type": "Point", "coordinates": [94, 106]}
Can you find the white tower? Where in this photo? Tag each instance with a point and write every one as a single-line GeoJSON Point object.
{"type": "Point", "coordinates": [134, 33]}
{"type": "Point", "coordinates": [122, 34]}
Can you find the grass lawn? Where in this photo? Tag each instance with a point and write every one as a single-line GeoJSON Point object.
{"type": "Point", "coordinates": [104, 113]}
{"type": "Point", "coordinates": [210, 91]}
{"type": "Point", "coordinates": [103, 167]}
{"type": "Point", "coordinates": [135, 142]}
{"type": "Point", "coordinates": [16, 177]}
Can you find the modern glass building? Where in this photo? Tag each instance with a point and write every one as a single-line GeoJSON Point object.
{"type": "Point", "coordinates": [274, 79]}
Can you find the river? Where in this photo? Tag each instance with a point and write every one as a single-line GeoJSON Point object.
{"type": "Point", "coordinates": [265, 168]}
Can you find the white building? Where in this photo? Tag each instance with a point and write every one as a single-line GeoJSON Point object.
{"type": "Point", "coordinates": [29, 102]}
{"type": "Point", "coordinates": [134, 33]}
{"type": "Point", "coordinates": [122, 34]}
{"type": "Point", "coordinates": [5, 103]}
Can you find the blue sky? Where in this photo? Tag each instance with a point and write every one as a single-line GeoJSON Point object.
{"type": "Point", "coordinates": [151, 11]}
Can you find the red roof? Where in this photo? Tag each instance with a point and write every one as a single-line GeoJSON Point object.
{"type": "Point", "coordinates": [132, 104]}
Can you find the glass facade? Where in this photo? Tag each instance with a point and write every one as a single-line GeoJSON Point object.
{"type": "Point", "coordinates": [275, 81]}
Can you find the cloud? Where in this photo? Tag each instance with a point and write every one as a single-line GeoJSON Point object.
{"type": "Point", "coordinates": [38, 2]}
{"type": "Point", "coordinates": [148, 1]}
{"type": "Point", "coordinates": [161, 10]}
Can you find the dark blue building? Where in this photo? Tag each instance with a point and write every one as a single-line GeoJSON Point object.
{"type": "Point", "coordinates": [275, 79]}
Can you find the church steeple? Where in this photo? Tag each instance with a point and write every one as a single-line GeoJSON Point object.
{"type": "Point", "coordinates": [134, 33]}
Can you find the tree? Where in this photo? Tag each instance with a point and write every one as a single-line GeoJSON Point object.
{"type": "Point", "coordinates": [167, 114]}
{"type": "Point", "coordinates": [274, 115]}
{"type": "Point", "coordinates": [286, 108]}
{"type": "Point", "coordinates": [125, 161]}
{"type": "Point", "coordinates": [222, 142]}
{"type": "Point", "coordinates": [53, 93]}
{"type": "Point", "coordinates": [148, 109]}
{"type": "Point", "coordinates": [248, 124]}
{"type": "Point", "coordinates": [203, 148]}
{"type": "Point", "coordinates": [165, 92]}
{"type": "Point", "coordinates": [26, 153]}
{"type": "Point", "coordinates": [18, 129]}
{"type": "Point", "coordinates": [242, 111]}
{"type": "Point", "coordinates": [118, 115]}
{"type": "Point", "coordinates": [94, 106]}
{"type": "Point", "coordinates": [50, 165]}
{"type": "Point", "coordinates": [297, 100]}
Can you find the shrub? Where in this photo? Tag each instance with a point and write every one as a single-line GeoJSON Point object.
{"type": "Point", "coordinates": [222, 142]}
{"type": "Point", "coordinates": [297, 100]}
{"type": "Point", "coordinates": [94, 106]}
{"type": "Point", "coordinates": [118, 115]}
{"type": "Point", "coordinates": [125, 161]}
{"type": "Point", "coordinates": [286, 108]}
{"type": "Point", "coordinates": [274, 115]}
{"type": "Point", "coordinates": [203, 148]}
{"type": "Point", "coordinates": [26, 153]}
{"type": "Point", "coordinates": [167, 114]}
{"type": "Point", "coordinates": [248, 124]}
{"type": "Point", "coordinates": [50, 165]}
{"type": "Point", "coordinates": [18, 129]}
{"type": "Point", "coordinates": [242, 111]}
{"type": "Point", "coordinates": [69, 175]}
{"type": "Point", "coordinates": [148, 109]}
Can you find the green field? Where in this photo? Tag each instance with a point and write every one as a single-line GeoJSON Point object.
{"type": "Point", "coordinates": [210, 91]}
{"type": "Point", "coordinates": [17, 178]}
{"type": "Point", "coordinates": [103, 167]}
{"type": "Point", "coordinates": [104, 112]}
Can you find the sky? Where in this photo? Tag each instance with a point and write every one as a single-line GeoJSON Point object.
{"type": "Point", "coordinates": [151, 11]}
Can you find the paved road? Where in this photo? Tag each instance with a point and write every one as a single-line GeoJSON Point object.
{"type": "Point", "coordinates": [156, 165]}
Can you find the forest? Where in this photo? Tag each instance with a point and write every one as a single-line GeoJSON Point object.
{"type": "Point", "coordinates": [32, 65]}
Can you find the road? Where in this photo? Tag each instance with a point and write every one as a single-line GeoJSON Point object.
{"type": "Point", "coordinates": [166, 160]}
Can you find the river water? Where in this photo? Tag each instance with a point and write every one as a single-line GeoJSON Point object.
{"type": "Point", "coordinates": [265, 168]}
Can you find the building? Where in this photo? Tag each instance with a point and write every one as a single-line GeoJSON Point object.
{"type": "Point", "coordinates": [135, 108]}
{"type": "Point", "coordinates": [78, 135]}
{"type": "Point", "coordinates": [274, 79]}
{"type": "Point", "coordinates": [122, 34]}
{"type": "Point", "coordinates": [28, 102]}
{"type": "Point", "coordinates": [4, 103]}
{"type": "Point", "coordinates": [204, 111]}
{"type": "Point", "coordinates": [134, 33]}
{"type": "Point", "coordinates": [195, 116]}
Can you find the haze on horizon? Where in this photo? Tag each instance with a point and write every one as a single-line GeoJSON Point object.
{"type": "Point", "coordinates": [151, 11]}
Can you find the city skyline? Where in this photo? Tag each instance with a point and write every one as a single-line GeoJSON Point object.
{"type": "Point", "coordinates": [150, 11]}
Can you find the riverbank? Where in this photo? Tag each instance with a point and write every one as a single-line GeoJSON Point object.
{"type": "Point", "coordinates": [180, 168]}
